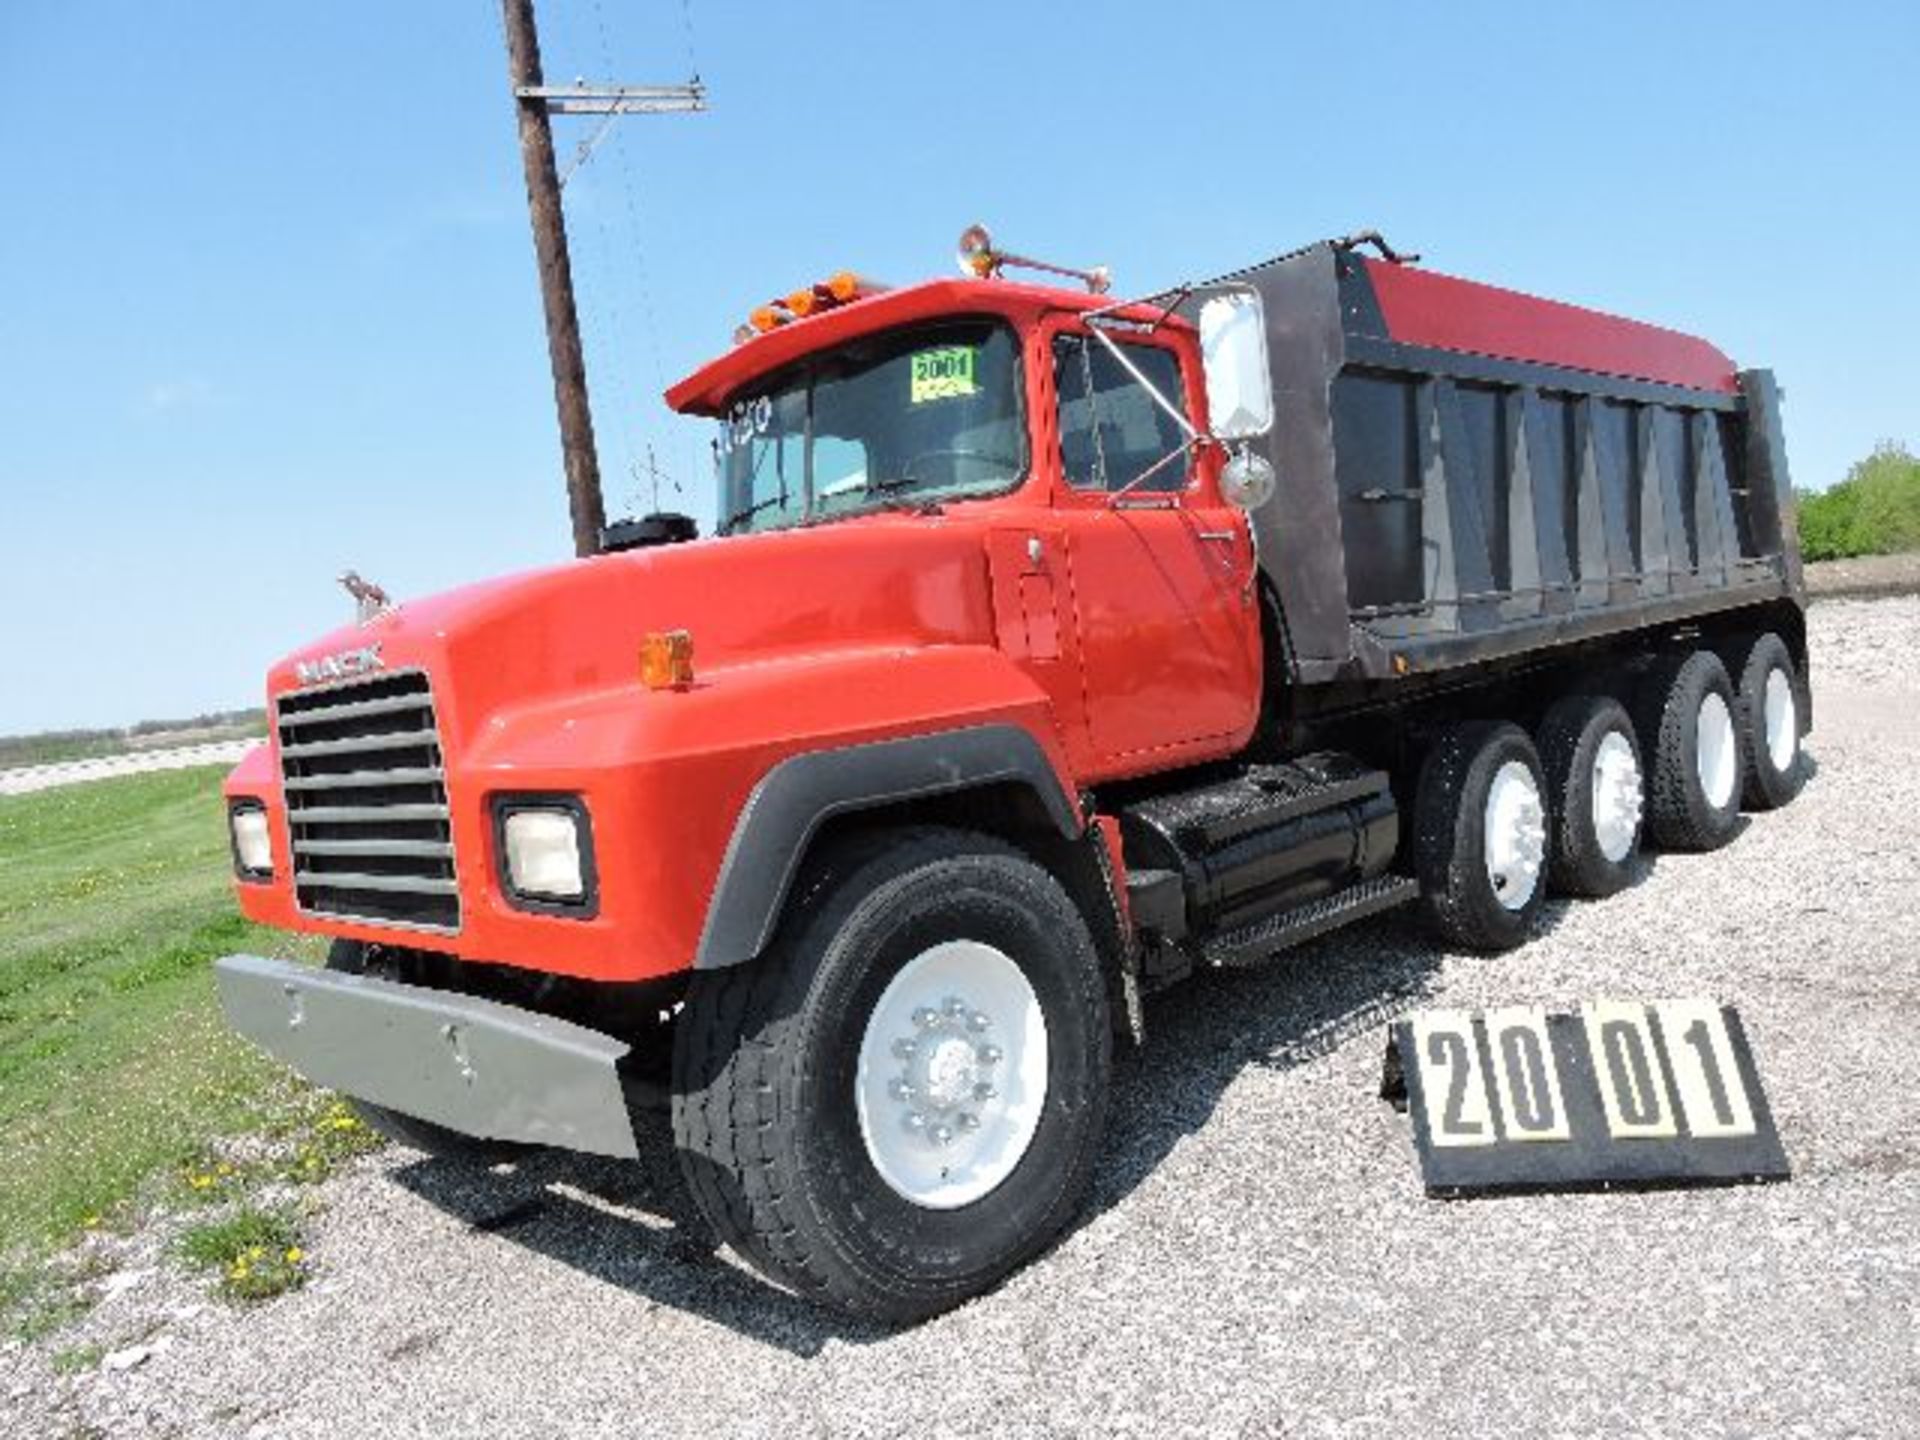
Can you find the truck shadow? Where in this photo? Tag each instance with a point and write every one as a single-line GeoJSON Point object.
{"type": "Point", "coordinates": [631, 1224]}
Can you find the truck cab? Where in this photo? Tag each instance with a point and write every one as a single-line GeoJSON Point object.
{"type": "Point", "coordinates": [1114, 567]}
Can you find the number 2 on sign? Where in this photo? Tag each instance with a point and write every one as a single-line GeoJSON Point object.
{"type": "Point", "coordinates": [1452, 1085]}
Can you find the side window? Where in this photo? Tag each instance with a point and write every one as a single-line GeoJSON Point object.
{"type": "Point", "coordinates": [1112, 431]}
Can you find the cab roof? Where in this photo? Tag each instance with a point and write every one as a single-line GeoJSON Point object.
{"type": "Point", "coordinates": [707, 390]}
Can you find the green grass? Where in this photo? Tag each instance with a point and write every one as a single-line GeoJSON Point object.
{"type": "Point", "coordinates": [115, 1065]}
{"type": "Point", "coordinates": [77, 1359]}
{"type": "Point", "coordinates": [255, 1252]}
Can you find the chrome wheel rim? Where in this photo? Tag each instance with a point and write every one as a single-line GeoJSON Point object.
{"type": "Point", "coordinates": [1782, 720]}
{"type": "Point", "coordinates": [1713, 750]}
{"type": "Point", "coordinates": [952, 1074]}
{"type": "Point", "coordinates": [1617, 796]}
{"type": "Point", "coordinates": [1516, 835]}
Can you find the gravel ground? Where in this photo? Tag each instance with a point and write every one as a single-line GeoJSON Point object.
{"type": "Point", "coordinates": [1259, 1257]}
{"type": "Point", "coordinates": [1865, 575]}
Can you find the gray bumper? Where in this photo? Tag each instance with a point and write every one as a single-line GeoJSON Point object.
{"type": "Point", "coordinates": [475, 1066]}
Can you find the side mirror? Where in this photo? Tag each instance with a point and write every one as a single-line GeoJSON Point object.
{"type": "Point", "coordinates": [1247, 480]}
{"type": "Point", "coordinates": [1233, 350]}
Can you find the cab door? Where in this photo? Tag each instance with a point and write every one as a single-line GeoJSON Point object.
{"type": "Point", "coordinates": [1167, 619]}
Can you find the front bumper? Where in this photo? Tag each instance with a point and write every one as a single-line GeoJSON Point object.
{"type": "Point", "coordinates": [476, 1066]}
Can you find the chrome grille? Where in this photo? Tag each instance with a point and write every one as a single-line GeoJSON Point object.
{"type": "Point", "coordinates": [367, 802]}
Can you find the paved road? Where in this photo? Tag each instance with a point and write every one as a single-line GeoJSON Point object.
{"type": "Point", "coordinates": [24, 779]}
{"type": "Point", "coordinates": [1259, 1257]}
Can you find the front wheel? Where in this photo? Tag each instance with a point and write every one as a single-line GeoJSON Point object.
{"type": "Point", "coordinates": [902, 1099]}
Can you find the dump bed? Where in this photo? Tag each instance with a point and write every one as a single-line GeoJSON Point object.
{"type": "Point", "coordinates": [1503, 473]}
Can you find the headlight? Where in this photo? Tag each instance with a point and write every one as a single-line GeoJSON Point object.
{"type": "Point", "coordinates": [252, 848]}
{"type": "Point", "coordinates": [546, 852]}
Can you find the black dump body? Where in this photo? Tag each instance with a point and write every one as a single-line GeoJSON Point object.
{"type": "Point", "coordinates": [1438, 508]}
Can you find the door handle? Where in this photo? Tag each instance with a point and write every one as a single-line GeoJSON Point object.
{"type": "Point", "coordinates": [1218, 534]}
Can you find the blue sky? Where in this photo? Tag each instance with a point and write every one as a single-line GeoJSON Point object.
{"type": "Point", "coordinates": [268, 306]}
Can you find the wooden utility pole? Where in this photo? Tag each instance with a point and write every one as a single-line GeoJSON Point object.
{"type": "Point", "coordinates": [535, 102]}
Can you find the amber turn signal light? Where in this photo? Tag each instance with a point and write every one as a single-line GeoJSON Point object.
{"type": "Point", "coordinates": [802, 303]}
{"type": "Point", "coordinates": [844, 286]}
{"type": "Point", "coordinates": [666, 660]}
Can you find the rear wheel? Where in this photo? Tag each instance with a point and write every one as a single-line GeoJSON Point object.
{"type": "Point", "coordinates": [1480, 835]}
{"type": "Point", "coordinates": [352, 957]}
{"type": "Point", "coordinates": [1768, 690]}
{"type": "Point", "coordinates": [1691, 740]}
{"type": "Point", "coordinates": [1595, 791]}
{"type": "Point", "coordinates": [901, 1101]}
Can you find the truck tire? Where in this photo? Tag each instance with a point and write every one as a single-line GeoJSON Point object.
{"type": "Point", "coordinates": [1480, 835]}
{"type": "Point", "coordinates": [901, 1100]}
{"type": "Point", "coordinates": [1768, 689]}
{"type": "Point", "coordinates": [1690, 735]}
{"type": "Point", "coordinates": [352, 957]}
{"type": "Point", "coordinates": [1596, 794]}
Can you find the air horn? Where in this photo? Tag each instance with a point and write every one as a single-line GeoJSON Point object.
{"type": "Point", "coordinates": [979, 258]}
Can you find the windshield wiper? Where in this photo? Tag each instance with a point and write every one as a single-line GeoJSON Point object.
{"type": "Point", "coordinates": [726, 526]}
{"type": "Point", "coordinates": [884, 487]}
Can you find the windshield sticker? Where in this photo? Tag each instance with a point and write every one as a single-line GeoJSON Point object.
{"type": "Point", "coordinates": [942, 374]}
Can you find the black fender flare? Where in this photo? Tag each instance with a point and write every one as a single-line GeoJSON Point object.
{"type": "Point", "coordinates": [800, 794]}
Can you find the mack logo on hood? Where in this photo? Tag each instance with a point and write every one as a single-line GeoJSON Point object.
{"type": "Point", "coordinates": [341, 665]}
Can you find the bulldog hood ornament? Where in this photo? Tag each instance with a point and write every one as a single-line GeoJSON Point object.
{"type": "Point", "coordinates": [370, 601]}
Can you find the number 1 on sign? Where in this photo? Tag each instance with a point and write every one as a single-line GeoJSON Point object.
{"type": "Point", "coordinates": [1711, 1092]}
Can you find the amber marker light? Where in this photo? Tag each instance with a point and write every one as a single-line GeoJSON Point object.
{"type": "Point", "coordinates": [666, 660]}
{"type": "Point", "coordinates": [844, 286]}
{"type": "Point", "coordinates": [765, 318]}
{"type": "Point", "coordinates": [803, 303]}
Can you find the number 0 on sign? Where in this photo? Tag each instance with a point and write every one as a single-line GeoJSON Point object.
{"type": "Point", "coordinates": [1623, 1093]}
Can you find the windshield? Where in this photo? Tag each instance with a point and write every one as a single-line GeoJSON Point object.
{"type": "Point", "coordinates": [915, 417]}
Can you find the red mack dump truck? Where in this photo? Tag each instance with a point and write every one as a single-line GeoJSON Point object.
{"type": "Point", "coordinates": [1048, 649]}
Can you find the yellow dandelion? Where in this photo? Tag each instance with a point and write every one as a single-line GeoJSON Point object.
{"type": "Point", "coordinates": [91, 1222]}
{"type": "Point", "coordinates": [295, 1255]}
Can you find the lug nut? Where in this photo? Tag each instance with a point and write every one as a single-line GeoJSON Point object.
{"type": "Point", "coordinates": [979, 1020]}
{"type": "Point", "coordinates": [916, 1121]}
{"type": "Point", "coordinates": [956, 1007]}
{"type": "Point", "coordinates": [900, 1090]}
{"type": "Point", "coordinates": [923, 1017]}
{"type": "Point", "coordinates": [989, 1054]}
{"type": "Point", "coordinates": [984, 1091]}
{"type": "Point", "coordinates": [905, 1049]}
{"type": "Point", "coordinates": [941, 1134]}
{"type": "Point", "coordinates": [966, 1120]}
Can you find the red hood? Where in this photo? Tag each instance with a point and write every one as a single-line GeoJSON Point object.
{"type": "Point", "coordinates": [877, 582]}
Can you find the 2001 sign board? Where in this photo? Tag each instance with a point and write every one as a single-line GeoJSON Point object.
{"type": "Point", "coordinates": [1623, 1093]}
